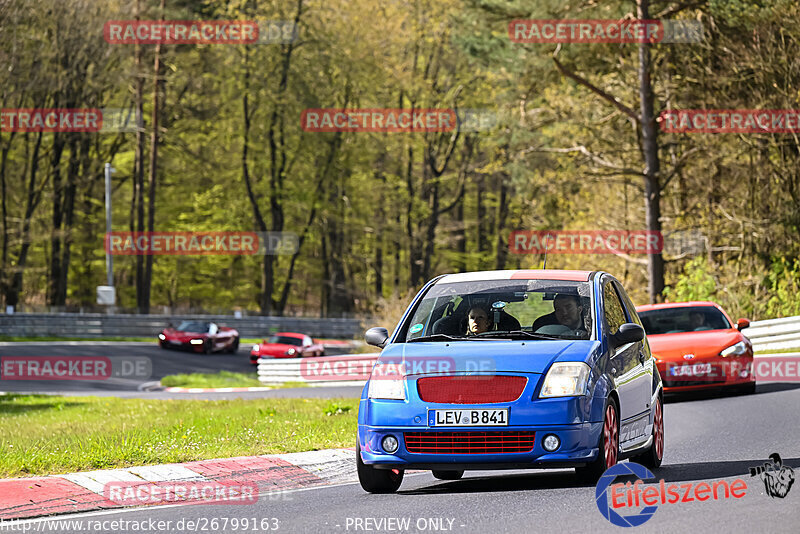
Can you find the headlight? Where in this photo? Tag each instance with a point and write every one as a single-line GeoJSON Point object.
{"type": "Point", "coordinates": [386, 383]}
{"type": "Point", "coordinates": [565, 379]}
{"type": "Point", "coordinates": [737, 350]}
{"type": "Point", "coordinates": [255, 348]}
{"type": "Point", "coordinates": [291, 352]}
{"type": "Point", "coordinates": [162, 337]}
{"type": "Point", "coordinates": [196, 342]}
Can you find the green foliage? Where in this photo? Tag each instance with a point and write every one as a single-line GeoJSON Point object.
{"type": "Point", "coordinates": [783, 284]}
{"type": "Point", "coordinates": [336, 409]}
{"type": "Point", "coordinates": [696, 282]}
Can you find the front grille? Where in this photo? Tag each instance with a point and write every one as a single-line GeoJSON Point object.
{"type": "Point", "coordinates": [479, 389]}
{"type": "Point", "coordinates": [469, 442]}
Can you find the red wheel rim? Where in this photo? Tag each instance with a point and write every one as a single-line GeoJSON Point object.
{"type": "Point", "coordinates": [658, 430]}
{"type": "Point", "coordinates": [610, 436]}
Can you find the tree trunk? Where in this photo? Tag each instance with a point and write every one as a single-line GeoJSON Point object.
{"type": "Point", "coordinates": [57, 218]}
{"type": "Point", "coordinates": [502, 215]}
{"type": "Point", "coordinates": [137, 201]}
{"type": "Point", "coordinates": [12, 297]}
{"type": "Point", "coordinates": [159, 86]}
{"type": "Point", "coordinates": [652, 188]}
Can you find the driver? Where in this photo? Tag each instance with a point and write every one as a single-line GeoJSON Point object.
{"type": "Point", "coordinates": [697, 321]}
{"type": "Point", "coordinates": [567, 311]}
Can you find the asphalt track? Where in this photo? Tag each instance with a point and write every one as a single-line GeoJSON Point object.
{"type": "Point", "coordinates": [163, 363]}
{"type": "Point", "coordinates": [708, 438]}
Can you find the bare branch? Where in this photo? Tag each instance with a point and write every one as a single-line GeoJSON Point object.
{"type": "Point", "coordinates": [586, 83]}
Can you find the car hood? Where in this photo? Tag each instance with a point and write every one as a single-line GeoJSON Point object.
{"type": "Point", "coordinates": [183, 336]}
{"type": "Point", "coordinates": [277, 347]}
{"type": "Point", "coordinates": [528, 356]}
{"type": "Point", "coordinates": [672, 347]}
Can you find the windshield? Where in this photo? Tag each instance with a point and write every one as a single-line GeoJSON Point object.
{"type": "Point", "coordinates": [286, 340]}
{"type": "Point", "coordinates": [193, 326]}
{"type": "Point", "coordinates": [683, 319]}
{"type": "Point", "coordinates": [550, 309]}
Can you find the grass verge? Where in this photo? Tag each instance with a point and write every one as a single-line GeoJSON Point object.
{"type": "Point", "coordinates": [43, 434]}
{"type": "Point", "coordinates": [777, 351]}
{"type": "Point", "coordinates": [223, 379]}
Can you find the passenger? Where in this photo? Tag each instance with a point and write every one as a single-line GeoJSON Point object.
{"type": "Point", "coordinates": [478, 321]}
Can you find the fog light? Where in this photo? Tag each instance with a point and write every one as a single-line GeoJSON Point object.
{"type": "Point", "coordinates": [551, 442]}
{"type": "Point", "coordinates": [389, 444]}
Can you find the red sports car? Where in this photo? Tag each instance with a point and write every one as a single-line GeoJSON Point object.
{"type": "Point", "coordinates": [199, 336]}
{"type": "Point", "coordinates": [286, 345]}
{"type": "Point", "coordinates": [697, 346]}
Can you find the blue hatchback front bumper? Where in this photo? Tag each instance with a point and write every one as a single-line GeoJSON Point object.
{"type": "Point", "coordinates": [564, 417]}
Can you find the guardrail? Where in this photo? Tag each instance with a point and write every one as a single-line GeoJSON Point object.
{"type": "Point", "coordinates": [773, 334]}
{"type": "Point", "coordinates": [120, 325]}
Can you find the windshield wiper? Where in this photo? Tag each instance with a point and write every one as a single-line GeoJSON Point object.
{"type": "Point", "coordinates": [436, 337]}
{"type": "Point", "coordinates": [518, 333]}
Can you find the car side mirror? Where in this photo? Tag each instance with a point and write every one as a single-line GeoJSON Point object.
{"type": "Point", "coordinates": [628, 333]}
{"type": "Point", "coordinates": [376, 336]}
{"type": "Point", "coordinates": [741, 324]}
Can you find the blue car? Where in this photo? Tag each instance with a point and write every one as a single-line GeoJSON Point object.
{"type": "Point", "coordinates": [511, 370]}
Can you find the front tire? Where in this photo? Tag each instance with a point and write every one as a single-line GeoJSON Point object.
{"type": "Point", "coordinates": [651, 458]}
{"type": "Point", "coordinates": [208, 346]}
{"type": "Point", "coordinates": [234, 346]}
{"type": "Point", "coordinates": [377, 480]}
{"type": "Point", "coordinates": [448, 475]}
{"type": "Point", "coordinates": [608, 446]}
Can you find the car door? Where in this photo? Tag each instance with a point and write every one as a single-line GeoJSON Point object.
{"type": "Point", "coordinates": [644, 355]}
{"type": "Point", "coordinates": [624, 366]}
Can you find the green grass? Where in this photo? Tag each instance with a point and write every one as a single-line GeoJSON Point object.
{"type": "Point", "coordinates": [223, 379]}
{"type": "Point", "coordinates": [42, 434]}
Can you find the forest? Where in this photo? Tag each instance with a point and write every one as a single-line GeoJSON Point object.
{"type": "Point", "coordinates": [555, 136]}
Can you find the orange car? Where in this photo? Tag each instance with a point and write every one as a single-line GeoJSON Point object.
{"type": "Point", "coordinates": [697, 346]}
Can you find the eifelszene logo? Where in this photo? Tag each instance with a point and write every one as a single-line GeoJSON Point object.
{"type": "Point", "coordinates": [636, 494]}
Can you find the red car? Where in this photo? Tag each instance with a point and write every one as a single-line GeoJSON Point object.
{"type": "Point", "coordinates": [697, 346]}
{"type": "Point", "coordinates": [199, 336]}
{"type": "Point", "coordinates": [286, 345]}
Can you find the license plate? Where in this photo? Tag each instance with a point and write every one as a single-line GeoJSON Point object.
{"type": "Point", "coordinates": [175, 342]}
{"type": "Point", "coordinates": [494, 417]}
{"type": "Point", "coordinates": [697, 369]}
